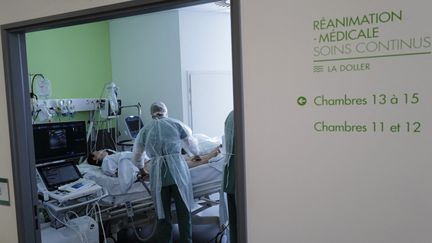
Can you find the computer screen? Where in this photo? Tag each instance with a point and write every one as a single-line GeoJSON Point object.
{"type": "Point", "coordinates": [134, 124]}
{"type": "Point", "coordinates": [59, 141]}
{"type": "Point", "coordinates": [55, 175]}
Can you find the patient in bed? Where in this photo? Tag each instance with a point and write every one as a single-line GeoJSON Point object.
{"type": "Point", "coordinates": [109, 160]}
{"type": "Point", "coordinates": [119, 164]}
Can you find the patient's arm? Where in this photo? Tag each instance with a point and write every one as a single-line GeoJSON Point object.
{"type": "Point", "coordinates": [190, 160]}
{"type": "Point", "coordinates": [204, 158]}
{"type": "Point", "coordinates": [137, 157]}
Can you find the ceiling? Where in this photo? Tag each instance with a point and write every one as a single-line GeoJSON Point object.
{"type": "Point", "coordinates": [209, 7]}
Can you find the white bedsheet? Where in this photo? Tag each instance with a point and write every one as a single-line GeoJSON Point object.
{"type": "Point", "coordinates": [209, 173]}
{"type": "Point", "coordinates": [206, 180]}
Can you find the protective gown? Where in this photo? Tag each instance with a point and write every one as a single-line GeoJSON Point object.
{"type": "Point", "coordinates": [163, 139]}
{"type": "Point", "coordinates": [229, 175]}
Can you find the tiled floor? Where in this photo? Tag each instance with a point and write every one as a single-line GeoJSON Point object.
{"type": "Point", "coordinates": [200, 233]}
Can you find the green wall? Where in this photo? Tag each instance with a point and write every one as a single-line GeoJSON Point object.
{"type": "Point", "coordinates": [75, 59]}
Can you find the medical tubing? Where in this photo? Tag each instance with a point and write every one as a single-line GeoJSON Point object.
{"type": "Point", "coordinates": [93, 148]}
{"type": "Point", "coordinates": [219, 234]}
{"type": "Point", "coordinates": [36, 116]}
{"type": "Point", "coordinates": [95, 126]}
{"type": "Point", "coordinates": [67, 225]}
{"type": "Point", "coordinates": [96, 211]}
{"type": "Point", "coordinates": [228, 162]}
{"type": "Point", "coordinates": [130, 214]}
{"type": "Point", "coordinates": [32, 94]}
{"type": "Point", "coordinates": [101, 222]}
{"type": "Point", "coordinates": [145, 185]}
{"type": "Point", "coordinates": [116, 133]}
{"type": "Point", "coordinates": [149, 236]}
{"type": "Point", "coordinates": [132, 220]}
{"type": "Point", "coordinates": [74, 213]}
{"type": "Point", "coordinates": [77, 216]}
{"type": "Point", "coordinates": [102, 94]}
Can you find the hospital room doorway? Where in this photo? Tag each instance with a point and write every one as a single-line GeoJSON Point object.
{"type": "Point", "coordinates": [86, 83]}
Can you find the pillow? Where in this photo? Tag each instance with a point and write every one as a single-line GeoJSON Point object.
{"type": "Point", "coordinates": [206, 144]}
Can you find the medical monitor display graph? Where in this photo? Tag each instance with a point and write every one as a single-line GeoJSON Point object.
{"type": "Point", "coordinates": [59, 141]}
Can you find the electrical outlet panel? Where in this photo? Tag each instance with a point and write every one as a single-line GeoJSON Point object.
{"type": "Point", "coordinates": [83, 104]}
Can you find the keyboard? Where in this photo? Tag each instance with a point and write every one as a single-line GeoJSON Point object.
{"type": "Point", "coordinates": [80, 188]}
{"type": "Point", "coordinates": [78, 185]}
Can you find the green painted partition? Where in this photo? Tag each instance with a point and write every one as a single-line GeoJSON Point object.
{"type": "Point", "coordinates": [76, 60]}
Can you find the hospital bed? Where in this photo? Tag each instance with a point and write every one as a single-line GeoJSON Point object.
{"type": "Point", "coordinates": [117, 208]}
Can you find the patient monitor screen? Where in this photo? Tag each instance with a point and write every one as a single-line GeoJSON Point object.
{"type": "Point", "coordinates": [134, 124]}
{"type": "Point", "coordinates": [58, 141]}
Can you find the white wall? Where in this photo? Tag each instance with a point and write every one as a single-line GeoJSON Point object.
{"type": "Point", "coordinates": [205, 38]}
{"type": "Point", "coordinates": [211, 100]}
{"type": "Point", "coordinates": [145, 54]}
{"type": "Point", "coordinates": [292, 200]}
{"type": "Point", "coordinates": [309, 187]}
{"type": "Point", "coordinates": [13, 11]}
{"type": "Point", "coordinates": [149, 64]}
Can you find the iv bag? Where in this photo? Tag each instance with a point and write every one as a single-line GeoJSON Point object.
{"type": "Point", "coordinates": [43, 89]}
{"type": "Point", "coordinates": [112, 97]}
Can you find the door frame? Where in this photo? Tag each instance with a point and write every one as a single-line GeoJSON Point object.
{"type": "Point", "coordinates": [188, 95]}
{"type": "Point", "coordinates": [18, 101]}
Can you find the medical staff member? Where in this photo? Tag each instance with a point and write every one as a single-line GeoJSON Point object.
{"type": "Point", "coordinates": [163, 139]}
{"type": "Point", "coordinates": [229, 176]}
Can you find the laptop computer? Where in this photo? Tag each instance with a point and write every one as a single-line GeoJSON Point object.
{"type": "Point", "coordinates": [63, 181]}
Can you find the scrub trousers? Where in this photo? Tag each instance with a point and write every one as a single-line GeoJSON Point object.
{"type": "Point", "coordinates": [232, 214]}
{"type": "Point", "coordinates": [183, 216]}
